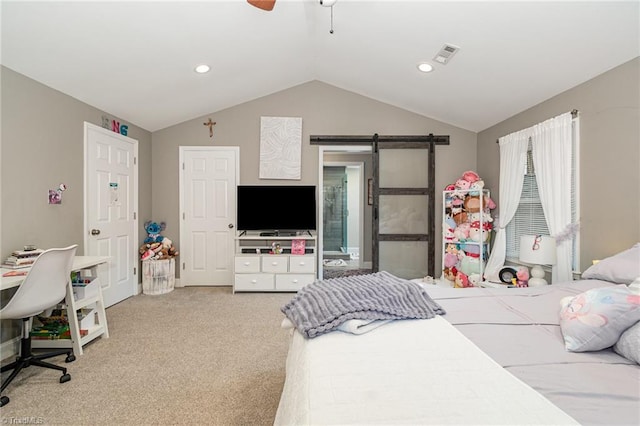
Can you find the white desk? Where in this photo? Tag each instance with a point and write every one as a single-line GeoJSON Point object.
{"type": "Point", "coordinates": [77, 341]}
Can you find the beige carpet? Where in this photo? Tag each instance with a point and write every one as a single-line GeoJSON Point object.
{"type": "Point", "coordinates": [193, 356]}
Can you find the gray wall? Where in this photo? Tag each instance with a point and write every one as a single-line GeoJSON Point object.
{"type": "Point", "coordinates": [609, 156]}
{"type": "Point", "coordinates": [325, 110]}
{"type": "Point", "coordinates": [43, 146]}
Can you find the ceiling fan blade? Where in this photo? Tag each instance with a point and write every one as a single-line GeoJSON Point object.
{"type": "Point", "coordinates": [263, 4]}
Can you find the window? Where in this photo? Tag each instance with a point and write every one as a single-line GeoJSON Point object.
{"type": "Point", "coordinates": [529, 217]}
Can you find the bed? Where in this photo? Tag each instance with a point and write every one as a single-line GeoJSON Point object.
{"type": "Point", "coordinates": [493, 356]}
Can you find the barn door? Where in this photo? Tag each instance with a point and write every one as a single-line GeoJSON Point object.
{"type": "Point", "coordinates": [404, 206]}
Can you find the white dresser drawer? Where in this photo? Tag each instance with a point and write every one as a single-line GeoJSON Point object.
{"type": "Point", "coordinates": [302, 264]}
{"type": "Point", "coordinates": [293, 282]}
{"type": "Point", "coordinates": [275, 263]}
{"type": "Point", "coordinates": [254, 282]}
{"type": "Point", "coordinates": [244, 264]}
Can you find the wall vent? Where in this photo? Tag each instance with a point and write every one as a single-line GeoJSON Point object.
{"type": "Point", "coordinates": [446, 53]}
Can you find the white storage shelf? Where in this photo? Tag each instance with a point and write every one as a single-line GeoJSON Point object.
{"type": "Point", "coordinates": [258, 270]}
{"type": "Point", "coordinates": [89, 297]}
{"type": "Point", "coordinates": [479, 247]}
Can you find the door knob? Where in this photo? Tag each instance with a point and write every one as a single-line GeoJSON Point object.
{"type": "Point", "coordinates": [231, 226]}
{"type": "Point", "coordinates": [95, 232]}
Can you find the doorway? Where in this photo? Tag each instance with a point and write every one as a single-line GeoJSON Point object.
{"type": "Point", "coordinates": [345, 217]}
{"type": "Point", "coordinates": [208, 178]}
{"type": "Point", "coordinates": [111, 205]}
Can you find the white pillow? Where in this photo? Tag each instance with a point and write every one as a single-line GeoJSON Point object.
{"type": "Point", "coordinates": [621, 268]}
{"type": "Point", "coordinates": [629, 344]}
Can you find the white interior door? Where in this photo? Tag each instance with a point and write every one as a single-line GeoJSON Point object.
{"type": "Point", "coordinates": [208, 178]}
{"type": "Point", "coordinates": [111, 204]}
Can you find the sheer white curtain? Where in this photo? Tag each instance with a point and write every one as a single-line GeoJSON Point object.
{"type": "Point", "coordinates": [513, 166]}
{"type": "Point", "coordinates": [551, 151]}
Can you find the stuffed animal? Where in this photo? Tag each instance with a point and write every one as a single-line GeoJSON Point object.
{"type": "Point", "coordinates": [461, 233]}
{"type": "Point", "coordinates": [450, 256]}
{"type": "Point", "coordinates": [449, 226]}
{"type": "Point", "coordinates": [474, 280]}
{"type": "Point", "coordinates": [470, 176]}
{"type": "Point", "coordinates": [472, 204]}
{"type": "Point", "coordinates": [449, 274]}
{"type": "Point", "coordinates": [522, 277]}
{"type": "Point", "coordinates": [462, 280]}
{"type": "Point", "coordinates": [475, 217]}
{"type": "Point", "coordinates": [156, 247]}
{"type": "Point", "coordinates": [477, 234]}
{"type": "Point", "coordinates": [476, 187]}
{"type": "Point", "coordinates": [154, 229]}
{"type": "Point", "coordinates": [470, 264]}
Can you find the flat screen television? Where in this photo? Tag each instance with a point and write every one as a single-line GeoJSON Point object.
{"type": "Point", "coordinates": [276, 208]}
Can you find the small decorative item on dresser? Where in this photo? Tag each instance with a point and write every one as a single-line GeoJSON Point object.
{"type": "Point", "coordinates": [298, 246]}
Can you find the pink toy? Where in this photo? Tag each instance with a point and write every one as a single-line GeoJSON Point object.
{"type": "Point", "coordinates": [490, 203]}
{"type": "Point", "coordinates": [463, 184]}
{"type": "Point", "coordinates": [451, 256]}
{"type": "Point", "coordinates": [522, 277]}
{"type": "Point", "coordinates": [461, 233]}
{"type": "Point", "coordinates": [470, 176]}
{"type": "Point", "coordinates": [462, 280]}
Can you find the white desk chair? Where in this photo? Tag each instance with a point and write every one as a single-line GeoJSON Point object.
{"type": "Point", "coordinates": [43, 287]}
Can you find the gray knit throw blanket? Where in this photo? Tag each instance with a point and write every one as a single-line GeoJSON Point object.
{"type": "Point", "coordinates": [322, 306]}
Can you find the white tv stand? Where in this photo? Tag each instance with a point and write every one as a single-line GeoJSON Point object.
{"type": "Point", "coordinates": [255, 269]}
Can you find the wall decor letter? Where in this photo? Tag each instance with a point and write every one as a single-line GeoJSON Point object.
{"type": "Point", "coordinates": [280, 147]}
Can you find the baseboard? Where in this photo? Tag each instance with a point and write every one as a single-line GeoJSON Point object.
{"type": "Point", "coordinates": [10, 348]}
{"type": "Point", "coordinates": [178, 283]}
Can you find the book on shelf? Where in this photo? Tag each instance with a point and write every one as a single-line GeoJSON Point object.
{"type": "Point", "coordinates": [298, 246]}
{"type": "Point", "coordinates": [27, 253]}
{"type": "Point", "coordinates": [15, 273]}
{"type": "Point", "coordinates": [13, 266]}
{"type": "Point", "coordinates": [20, 260]}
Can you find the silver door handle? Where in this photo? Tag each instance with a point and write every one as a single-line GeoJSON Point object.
{"type": "Point", "coordinates": [95, 232]}
{"type": "Point", "coordinates": [231, 226]}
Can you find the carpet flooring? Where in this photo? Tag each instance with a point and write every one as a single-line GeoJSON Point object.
{"type": "Point", "coordinates": [197, 355]}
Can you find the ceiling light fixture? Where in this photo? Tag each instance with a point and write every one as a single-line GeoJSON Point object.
{"type": "Point", "coordinates": [424, 67]}
{"type": "Point", "coordinates": [329, 4]}
{"type": "Point", "coordinates": [201, 69]}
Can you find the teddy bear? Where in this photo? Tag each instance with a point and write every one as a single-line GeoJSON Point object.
{"type": "Point", "coordinates": [154, 229]}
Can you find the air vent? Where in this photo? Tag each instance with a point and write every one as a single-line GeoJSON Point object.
{"type": "Point", "coordinates": [446, 53]}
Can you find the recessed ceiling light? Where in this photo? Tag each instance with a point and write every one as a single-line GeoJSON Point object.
{"type": "Point", "coordinates": [201, 69]}
{"type": "Point", "coordinates": [424, 67]}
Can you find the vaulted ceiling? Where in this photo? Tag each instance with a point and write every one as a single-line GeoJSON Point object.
{"type": "Point", "coordinates": [135, 60]}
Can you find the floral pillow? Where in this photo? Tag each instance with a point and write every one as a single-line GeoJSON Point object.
{"type": "Point", "coordinates": [596, 319]}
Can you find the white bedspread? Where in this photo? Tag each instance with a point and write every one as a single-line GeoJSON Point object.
{"type": "Point", "coordinates": [406, 372]}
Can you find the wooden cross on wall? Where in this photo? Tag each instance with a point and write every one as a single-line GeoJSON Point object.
{"type": "Point", "coordinates": [210, 124]}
